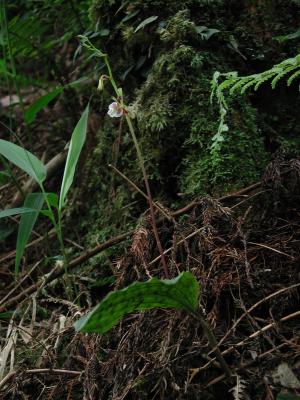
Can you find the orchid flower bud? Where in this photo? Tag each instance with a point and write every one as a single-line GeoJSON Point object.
{"type": "Point", "coordinates": [101, 83]}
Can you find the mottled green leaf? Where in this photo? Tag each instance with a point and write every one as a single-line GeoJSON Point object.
{"type": "Point", "coordinates": [181, 293]}
{"type": "Point", "coordinates": [6, 315]}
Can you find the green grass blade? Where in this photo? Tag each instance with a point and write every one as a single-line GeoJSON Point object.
{"type": "Point", "coordinates": [39, 104]}
{"type": "Point", "coordinates": [76, 144]}
{"type": "Point", "coordinates": [34, 201]}
{"type": "Point", "coordinates": [180, 293]}
{"type": "Point", "coordinates": [15, 211]}
{"type": "Point", "coordinates": [23, 159]}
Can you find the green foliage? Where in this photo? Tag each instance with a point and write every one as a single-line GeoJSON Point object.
{"type": "Point", "coordinates": [175, 120]}
{"type": "Point", "coordinates": [23, 159]}
{"type": "Point", "coordinates": [205, 32]}
{"type": "Point", "coordinates": [165, 67]}
{"type": "Point", "coordinates": [34, 201]}
{"type": "Point", "coordinates": [234, 83]}
{"type": "Point", "coordinates": [290, 36]}
{"type": "Point", "coordinates": [145, 23]}
{"type": "Point", "coordinates": [41, 103]}
{"type": "Point", "coordinates": [180, 293]}
{"type": "Point", "coordinates": [15, 211]}
{"type": "Point", "coordinates": [287, 396]}
{"type": "Point", "coordinates": [4, 177]}
{"type": "Point", "coordinates": [42, 25]}
{"type": "Point", "coordinates": [25, 36]}
{"type": "Point", "coordinates": [38, 105]}
{"type": "Point", "coordinates": [76, 144]}
{"type": "Point", "coordinates": [238, 160]}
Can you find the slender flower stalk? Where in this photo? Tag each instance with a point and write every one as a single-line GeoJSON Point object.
{"type": "Point", "coordinates": [118, 109]}
{"type": "Point", "coordinates": [212, 341]}
{"type": "Point", "coordinates": [150, 199]}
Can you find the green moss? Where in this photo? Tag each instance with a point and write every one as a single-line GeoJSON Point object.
{"type": "Point", "coordinates": [165, 70]}
{"type": "Point", "coordinates": [239, 162]}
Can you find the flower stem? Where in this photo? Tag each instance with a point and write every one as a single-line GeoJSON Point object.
{"type": "Point", "coordinates": [118, 92]}
{"type": "Point", "coordinates": [150, 200]}
{"type": "Point", "coordinates": [212, 342]}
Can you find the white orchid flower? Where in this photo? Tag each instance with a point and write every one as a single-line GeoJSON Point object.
{"type": "Point", "coordinates": [115, 110]}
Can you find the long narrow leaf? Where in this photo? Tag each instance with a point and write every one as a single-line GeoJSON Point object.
{"type": "Point", "coordinates": [23, 159]}
{"type": "Point", "coordinates": [35, 202]}
{"type": "Point", "coordinates": [76, 144]}
{"type": "Point", "coordinates": [180, 293]}
{"type": "Point", "coordinates": [145, 23]}
{"type": "Point", "coordinates": [39, 104]}
{"type": "Point", "coordinates": [15, 211]}
{"type": "Point", "coordinates": [43, 101]}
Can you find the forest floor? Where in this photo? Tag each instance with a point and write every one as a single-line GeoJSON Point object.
{"type": "Point", "coordinates": [234, 244]}
{"type": "Point", "coordinates": [240, 238]}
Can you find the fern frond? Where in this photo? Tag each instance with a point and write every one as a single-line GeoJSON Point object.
{"type": "Point", "coordinates": [248, 85]}
{"type": "Point", "coordinates": [238, 390]}
{"type": "Point", "coordinates": [292, 77]}
{"type": "Point", "coordinates": [228, 82]}
{"type": "Point", "coordinates": [282, 74]}
{"type": "Point", "coordinates": [238, 83]}
{"type": "Point", "coordinates": [234, 83]}
{"type": "Point", "coordinates": [263, 78]}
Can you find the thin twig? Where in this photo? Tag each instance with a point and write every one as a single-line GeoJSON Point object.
{"type": "Point", "coordinates": [271, 248]}
{"type": "Point", "coordinates": [156, 205]}
{"type": "Point", "coordinates": [246, 365]}
{"type": "Point", "coordinates": [9, 294]}
{"type": "Point", "coordinates": [12, 374]}
{"type": "Point", "coordinates": [85, 256]}
{"type": "Point", "coordinates": [247, 312]}
{"type": "Point", "coordinates": [60, 270]}
{"type": "Point", "coordinates": [242, 191]}
{"type": "Point", "coordinates": [180, 241]}
{"type": "Point", "coordinates": [12, 253]}
{"type": "Point", "coordinates": [243, 342]}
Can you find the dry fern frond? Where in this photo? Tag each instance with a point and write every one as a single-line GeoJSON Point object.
{"type": "Point", "coordinates": [140, 243]}
{"type": "Point", "coordinates": [238, 390]}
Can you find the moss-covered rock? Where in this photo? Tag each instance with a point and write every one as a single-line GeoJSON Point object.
{"type": "Point", "coordinates": [165, 65]}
